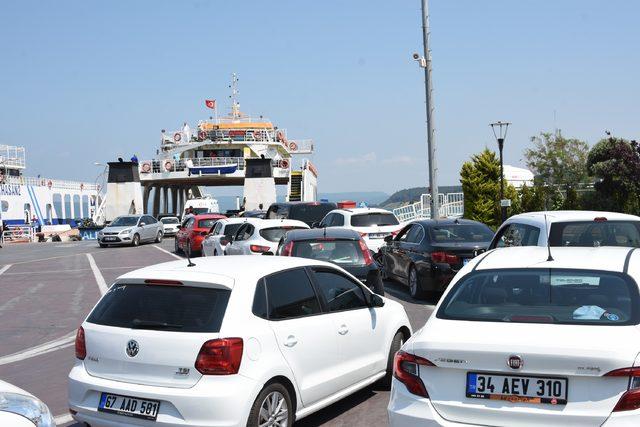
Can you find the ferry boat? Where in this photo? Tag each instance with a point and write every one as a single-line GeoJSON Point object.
{"type": "Point", "coordinates": [38, 201]}
{"type": "Point", "coordinates": [223, 151]}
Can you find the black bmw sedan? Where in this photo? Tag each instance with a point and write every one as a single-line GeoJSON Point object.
{"type": "Point", "coordinates": [426, 254]}
{"type": "Point", "coordinates": [340, 246]}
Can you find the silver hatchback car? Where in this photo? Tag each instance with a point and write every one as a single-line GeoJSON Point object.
{"type": "Point", "coordinates": [131, 230]}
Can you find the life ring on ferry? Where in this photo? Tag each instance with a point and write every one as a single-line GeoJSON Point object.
{"type": "Point", "coordinates": [202, 135]}
{"type": "Point", "coordinates": [49, 184]}
{"type": "Point", "coordinates": [293, 146]}
{"type": "Point", "coordinates": [257, 135]}
{"type": "Point", "coordinates": [284, 164]}
{"type": "Point", "coordinates": [280, 136]}
{"type": "Point", "coordinates": [168, 165]}
{"type": "Point", "coordinates": [177, 137]}
{"type": "Point", "coordinates": [146, 167]}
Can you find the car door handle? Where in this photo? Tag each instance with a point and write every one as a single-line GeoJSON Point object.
{"type": "Point", "coordinates": [290, 341]}
{"type": "Point", "coordinates": [343, 330]}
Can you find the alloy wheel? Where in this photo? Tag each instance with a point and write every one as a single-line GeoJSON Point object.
{"type": "Point", "coordinates": [413, 282]}
{"type": "Point", "coordinates": [274, 411]}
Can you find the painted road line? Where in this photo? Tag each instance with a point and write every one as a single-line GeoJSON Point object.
{"type": "Point", "coordinates": [167, 252]}
{"type": "Point", "coordinates": [48, 347]}
{"type": "Point", "coordinates": [5, 268]}
{"type": "Point", "coordinates": [63, 419]}
{"type": "Point", "coordinates": [96, 273]}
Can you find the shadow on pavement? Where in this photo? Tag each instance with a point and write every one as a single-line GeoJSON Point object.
{"type": "Point", "coordinates": [401, 292]}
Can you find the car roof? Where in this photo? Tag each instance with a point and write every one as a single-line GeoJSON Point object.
{"type": "Point", "coordinates": [301, 203]}
{"type": "Point", "coordinates": [267, 223]}
{"type": "Point", "coordinates": [234, 220]}
{"type": "Point", "coordinates": [357, 211]}
{"type": "Point", "coordinates": [566, 216]}
{"type": "Point", "coordinates": [209, 216]}
{"type": "Point", "coordinates": [323, 233]}
{"type": "Point", "coordinates": [445, 221]}
{"type": "Point", "coordinates": [228, 271]}
{"type": "Point", "coordinates": [606, 258]}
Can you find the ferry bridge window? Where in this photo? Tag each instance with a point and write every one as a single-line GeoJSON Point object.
{"type": "Point", "coordinates": [57, 205]}
{"type": "Point", "coordinates": [67, 206]}
{"type": "Point", "coordinates": [85, 206]}
{"type": "Point", "coordinates": [76, 206]}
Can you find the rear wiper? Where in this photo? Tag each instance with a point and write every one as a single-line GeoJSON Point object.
{"type": "Point", "coordinates": [152, 324]}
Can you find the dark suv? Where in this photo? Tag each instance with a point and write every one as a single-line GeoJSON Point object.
{"type": "Point", "coordinates": [308, 212]}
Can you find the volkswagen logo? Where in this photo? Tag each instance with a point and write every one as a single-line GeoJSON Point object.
{"type": "Point", "coordinates": [132, 348]}
{"type": "Point", "coordinates": [515, 362]}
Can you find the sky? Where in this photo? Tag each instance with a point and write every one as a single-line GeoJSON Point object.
{"type": "Point", "coordinates": [88, 81]}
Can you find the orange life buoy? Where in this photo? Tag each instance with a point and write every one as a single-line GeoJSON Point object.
{"type": "Point", "coordinates": [168, 165]}
{"type": "Point", "coordinates": [49, 184]}
{"type": "Point", "coordinates": [202, 135]}
{"type": "Point", "coordinates": [284, 163]}
{"type": "Point", "coordinates": [146, 167]}
{"type": "Point", "coordinates": [280, 136]}
{"type": "Point", "coordinates": [293, 146]}
{"type": "Point", "coordinates": [177, 137]}
{"type": "Point", "coordinates": [257, 135]}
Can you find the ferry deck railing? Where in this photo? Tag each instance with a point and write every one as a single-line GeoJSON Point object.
{"type": "Point", "coordinates": [17, 233]}
{"type": "Point", "coordinates": [11, 157]}
{"type": "Point", "coordinates": [46, 182]}
{"type": "Point", "coordinates": [451, 206]}
{"type": "Point", "coordinates": [172, 165]}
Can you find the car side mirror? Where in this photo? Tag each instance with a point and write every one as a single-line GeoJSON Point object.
{"type": "Point", "coordinates": [142, 224]}
{"type": "Point", "coordinates": [388, 238]}
{"type": "Point", "coordinates": [315, 224]}
{"type": "Point", "coordinates": [377, 301]}
{"type": "Point", "coordinates": [267, 253]}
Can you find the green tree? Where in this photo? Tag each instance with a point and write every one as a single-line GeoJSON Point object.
{"type": "Point", "coordinates": [615, 163]}
{"type": "Point", "coordinates": [480, 178]}
{"type": "Point", "coordinates": [557, 160]}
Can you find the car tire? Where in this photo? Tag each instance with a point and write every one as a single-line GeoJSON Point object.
{"type": "Point", "coordinates": [396, 343]}
{"type": "Point", "coordinates": [176, 246]}
{"type": "Point", "coordinates": [413, 281]}
{"type": "Point", "coordinates": [102, 245]}
{"type": "Point", "coordinates": [272, 398]}
{"type": "Point", "coordinates": [215, 252]}
{"type": "Point", "coordinates": [159, 237]}
{"type": "Point", "coordinates": [136, 240]}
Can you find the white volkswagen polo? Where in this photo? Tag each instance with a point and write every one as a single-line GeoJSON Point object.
{"type": "Point", "coordinates": [520, 339]}
{"type": "Point", "coordinates": [230, 343]}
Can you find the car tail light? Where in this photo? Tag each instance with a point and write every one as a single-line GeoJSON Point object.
{"type": "Point", "coordinates": [259, 249]}
{"type": "Point", "coordinates": [288, 249]}
{"type": "Point", "coordinates": [162, 282]}
{"type": "Point", "coordinates": [220, 357]}
{"type": "Point", "coordinates": [445, 257]}
{"type": "Point", "coordinates": [630, 400]}
{"type": "Point", "coordinates": [365, 252]}
{"type": "Point", "coordinates": [600, 219]}
{"type": "Point", "coordinates": [81, 347]}
{"type": "Point", "coordinates": [406, 369]}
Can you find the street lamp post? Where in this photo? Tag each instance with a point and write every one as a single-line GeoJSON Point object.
{"type": "Point", "coordinates": [500, 133]}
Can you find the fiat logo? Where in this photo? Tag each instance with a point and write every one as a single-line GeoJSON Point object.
{"type": "Point", "coordinates": [132, 348]}
{"type": "Point", "coordinates": [515, 362]}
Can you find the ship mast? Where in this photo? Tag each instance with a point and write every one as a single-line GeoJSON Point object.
{"type": "Point", "coordinates": [235, 105]}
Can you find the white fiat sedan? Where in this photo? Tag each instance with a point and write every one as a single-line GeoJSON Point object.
{"type": "Point", "coordinates": [227, 343]}
{"type": "Point", "coordinates": [523, 340]}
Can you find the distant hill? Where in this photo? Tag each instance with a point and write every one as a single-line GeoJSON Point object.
{"type": "Point", "coordinates": [412, 195]}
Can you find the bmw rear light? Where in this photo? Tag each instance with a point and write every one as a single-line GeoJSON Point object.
{"type": "Point", "coordinates": [406, 369]}
{"type": "Point", "coordinates": [81, 347]}
{"type": "Point", "coordinates": [259, 249]}
{"type": "Point", "coordinates": [630, 400]}
{"type": "Point", "coordinates": [288, 249]}
{"type": "Point", "coordinates": [368, 259]}
{"type": "Point", "coordinates": [445, 257]}
{"type": "Point", "coordinates": [220, 357]}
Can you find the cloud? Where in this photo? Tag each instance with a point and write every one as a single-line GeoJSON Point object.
{"type": "Point", "coordinates": [364, 159]}
{"type": "Point", "coordinates": [398, 160]}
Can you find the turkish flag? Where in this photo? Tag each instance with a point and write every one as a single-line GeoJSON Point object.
{"type": "Point", "coordinates": [211, 103]}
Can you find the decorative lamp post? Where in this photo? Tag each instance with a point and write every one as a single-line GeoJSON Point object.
{"type": "Point", "coordinates": [500, 133]}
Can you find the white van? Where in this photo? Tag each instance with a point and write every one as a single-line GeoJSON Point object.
{"type": "Point", "coordinates": [202, 205]}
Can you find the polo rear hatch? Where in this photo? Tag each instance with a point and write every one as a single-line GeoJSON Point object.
{"type": "Point", "coordinates": [152, 333]}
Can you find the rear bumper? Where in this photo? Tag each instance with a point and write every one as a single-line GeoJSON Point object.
{"type": "Point", "coordinates": [213, 401]}
{"type": "Point", "coordinates": [408, 410]}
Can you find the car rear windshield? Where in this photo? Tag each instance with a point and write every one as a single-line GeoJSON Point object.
{"type": "Point", "coordinates": [207, 223]}
{"type": "Point", "coordinates": [310, 213]}
{"type": "Point", "coordinates": [594, 233]}
{"type": "Point", "coordinates": [274, 234]}
{"type": "Point", "coordinates": [369, 219]}
{"type": "Point", "coordinates": [576, 297]}
{"type": "Point", "coordinates": [342, 252]}
{"type": "Point", "coordinates": [171, 220]}
{"type": "Point", "coordinates": [124, 221]}
{"type": "Point", "coordinates": [158, 307]}
{"type": "Point", "coordinates": [460, 233]}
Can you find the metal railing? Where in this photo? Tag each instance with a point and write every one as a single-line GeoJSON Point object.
{"type": "Point", "coordinates": [172, 165]}
{"type": "Point", "coordinates": [17, 233]}
{"type": "Point", "coordinates": [52, 183]}
{"type": "Point", "coordinates": [11, 157]}
{"type": "Point", "coordinates": [451, 205]}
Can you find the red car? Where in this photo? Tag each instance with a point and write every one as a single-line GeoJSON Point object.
{"type": "Point", "coordinates": [191, 234]}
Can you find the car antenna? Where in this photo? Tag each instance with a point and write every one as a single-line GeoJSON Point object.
{"type": "Point", "coordinates": [546, 227]}
{"type": "Point", "coordinates": [189, 259]}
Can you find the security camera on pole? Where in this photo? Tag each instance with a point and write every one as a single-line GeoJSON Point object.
{"type": "Point", "coordinates": [425, 62]}
{"type": "Point", "coordinates": [500, 132]}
